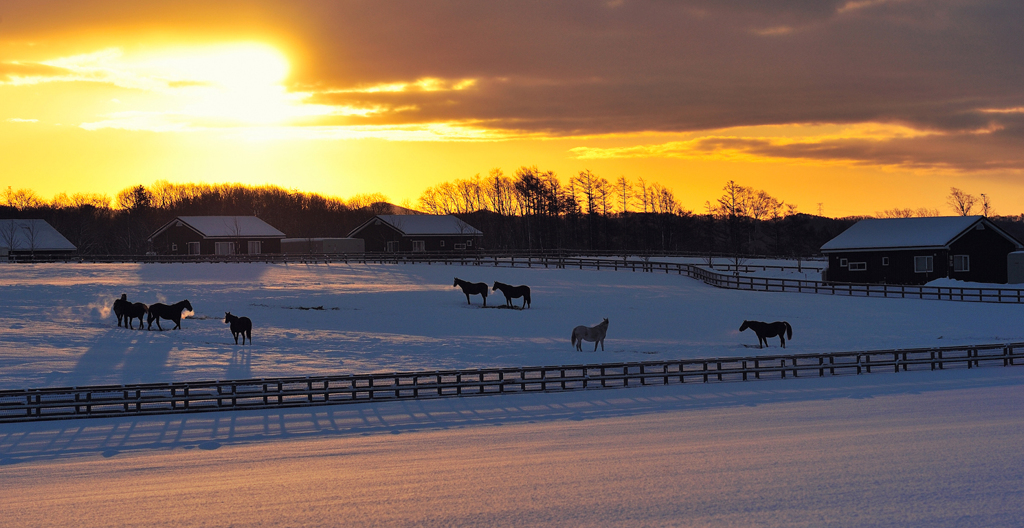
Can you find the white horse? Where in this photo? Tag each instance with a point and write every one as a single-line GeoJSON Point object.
{"type": "Point", "coordinates": [594, 333]}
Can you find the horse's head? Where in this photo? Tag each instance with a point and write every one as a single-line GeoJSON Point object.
{"type": "Point", "coordinates": [188, 305]}
{"type": "Point", "coordinates": [456, 283]}
{"type": "Point", "coordinates": [124, 296]}
{"type": "Point", "coordinates": [495, 287]}
{"type": "Point", "coordinates": [745, 325]}
{"type": "Point", "coordinates": [228, 317]}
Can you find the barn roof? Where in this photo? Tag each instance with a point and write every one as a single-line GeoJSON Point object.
{"type": "Point", "coordinates": [225, 227]}
{"type": "Point", "coordinates": [907, 233]}
{"type": "Point", "coordinates": [424, 225]}
{"type": "Point", "coordinates": [32, 235]}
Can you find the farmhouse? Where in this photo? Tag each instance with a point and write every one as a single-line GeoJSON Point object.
{"type": "Point", "coordinates": [216, 235]}
{"type": "Point", "coordinates": [32, 237]}
{"type": "Point", "coordinates": [415, 233]}
{"type": "Point", "coordinates": [918, 250]}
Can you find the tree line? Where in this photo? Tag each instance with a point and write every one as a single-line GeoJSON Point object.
{"type": "Point", "coordinates": [529, 210]}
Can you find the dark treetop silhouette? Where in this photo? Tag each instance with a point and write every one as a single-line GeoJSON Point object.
{"type": "Point", "coordinates": [766, 330]}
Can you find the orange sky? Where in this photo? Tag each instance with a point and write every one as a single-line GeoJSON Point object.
{"type": "Point", "coordinates": [859, 105]}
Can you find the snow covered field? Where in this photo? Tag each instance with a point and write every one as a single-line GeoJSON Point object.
{"type": "Point", "coordinates": [907, 449]}
{"type": "Point", "coordinates": [56, 327]}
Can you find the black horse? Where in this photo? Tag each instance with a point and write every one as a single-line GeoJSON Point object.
{"type": "Point", "coordinates": [513, 292]}
{"type": "Point", "coordinates": [119, 306]}
{"type": "Point", "coordinates": [134, 311]}
{"type": "Point", "coordinates": [472, 288]}
{"type": "Point", "coordinates": [239, 326]}
{"type": "Point", "coordinates": [766, 330]}
{"type": "Point", "coordinates": [172, 312]}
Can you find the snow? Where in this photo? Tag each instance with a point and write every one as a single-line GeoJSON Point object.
{"type": "Point", "coordinates": [876, 233]}
{"type": "Point", "coordinates": [427, 225]}
{"type": "Point", "coordinates": [33, 234]}
{"type": "Point", "coordinates": [227, 226]}
{"type": "Point", "coordinates": [906, 449]}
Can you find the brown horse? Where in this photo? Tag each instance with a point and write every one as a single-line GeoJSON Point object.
{"type": "Point", "coordinates": [766, 330]}
{"type": "Point", "coordinates": [240, 326]}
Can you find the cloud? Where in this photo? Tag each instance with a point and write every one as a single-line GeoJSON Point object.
{"type": "Point", "coordinates": [593, 67]}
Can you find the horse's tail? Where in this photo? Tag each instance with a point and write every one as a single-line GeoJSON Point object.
{"type": "Point", "coordinates": [789, 330]}
{"type": "Point", "coordinates": [573, 337]}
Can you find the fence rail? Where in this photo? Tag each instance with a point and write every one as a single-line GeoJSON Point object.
{"type": "Point", "coordinates": [700, 272]}
{"type": "Point", "coordinates": [205, 396]}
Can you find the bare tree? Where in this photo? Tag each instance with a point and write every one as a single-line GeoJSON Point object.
{"type": "Point", "coordinates": [961, 202]}
{"type": "Point", "coordinates": [986, 206]}
{"type": "Point", "coordinates": [896, 213]}
{"type": "Point", "coordinates": [9, 234]}
{"type": "Point", "coordinates": [624, 191]}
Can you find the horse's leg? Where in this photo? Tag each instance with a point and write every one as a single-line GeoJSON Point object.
{"type": "Point", "coordinates": [467, 299]}
{"type": "Point", "coordinates": [782, 340]}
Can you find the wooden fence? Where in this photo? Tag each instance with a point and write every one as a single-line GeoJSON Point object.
{"type": "Point", "coordinates": [712, 277]}
{"type": "Point", "coordinates": [206, 396]}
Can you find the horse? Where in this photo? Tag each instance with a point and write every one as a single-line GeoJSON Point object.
{"type": "Point", "coordinates": [513, 292]}
{"type": "Point", "coordinates": [766, 330]}
{"type": "Point", "coordinates": [119, 307]}
{"type": "Point", "coordinates": [472, 288]}
{"type": "Point", "coordinates": [239, 326]}
{"type": "Point", "coordinates": [134, 311]}
{"type": "Point", "coordinates": [172, 312]}
{"type": "Point", "coordinates": [594, 333]}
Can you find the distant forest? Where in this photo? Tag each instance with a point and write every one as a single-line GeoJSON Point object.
{"type": "Point", "coordinates": [531, 210]}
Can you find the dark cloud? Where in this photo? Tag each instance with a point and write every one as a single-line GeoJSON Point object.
{"type": "Point", "coordinates": [589, 66]}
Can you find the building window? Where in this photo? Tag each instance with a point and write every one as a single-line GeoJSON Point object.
{"type": "Point", "coordinates": [858, 266]}
{"type": "Point", "coordinates": [842, 263]}
{"type": "Point", "coordinates": [224, 248]}
{"type": "Point", "coordinates": [469, 243]}
{"type": "Point", "coordinates": [193, 248]}
{"type": "Point", "coordinates": [419, 245]}
{"type": "Point", "coordinates": [961, 263]}
{"type": "Point", "coordinates": [174, 248]}
{"type": "Point", "coordinates": [923, 264]}
{"type": "Point", "coordinates": [460, 246]}
{"type": "Point", "coordinates": [392, 246]}
{"type": "Point", "coordinates": [255, 247]}
{"type": "Point", "coordinates": [442, 243]}
{"type": "Point", "coordinates": [885, 261]}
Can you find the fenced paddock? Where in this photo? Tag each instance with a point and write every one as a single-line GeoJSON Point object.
{"type": "Point", "coordinates": [206, 396]}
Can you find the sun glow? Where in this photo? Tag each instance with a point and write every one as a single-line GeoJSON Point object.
{"type": "Point", "coordinates": [200, 87]}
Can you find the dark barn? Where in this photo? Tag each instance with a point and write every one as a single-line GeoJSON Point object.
{"type": "Point", "coordinates": [416, 233]}
{"type": "Point", "coordinates": [919, 250]}
{"type": "Point", "coordinates": [216, 235]}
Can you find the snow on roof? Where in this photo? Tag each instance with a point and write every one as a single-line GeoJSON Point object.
{"type": "Point", "coordinates": [882, 233]}
{"type": "Point", "coordinates": [228, 226]}
{"type": "Point", "coordinates": [430, 225]}
{"type": "Point", "coordinates": [32, 234]}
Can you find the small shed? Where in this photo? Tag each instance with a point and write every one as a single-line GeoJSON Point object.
{"type": "Point", "coordinates": [417, 233]}
{"type": "Point", "coordinates": [330, 246]}
{"type": "Point", "coordinates": [216, 235]}
{"type": "Point", "coordinates": [32, 237]}
{"type": "Point", "coordinates": [918, 250]}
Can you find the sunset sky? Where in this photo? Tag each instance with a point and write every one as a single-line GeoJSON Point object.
{"type": "Point", "coordinates": [859, 105]}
